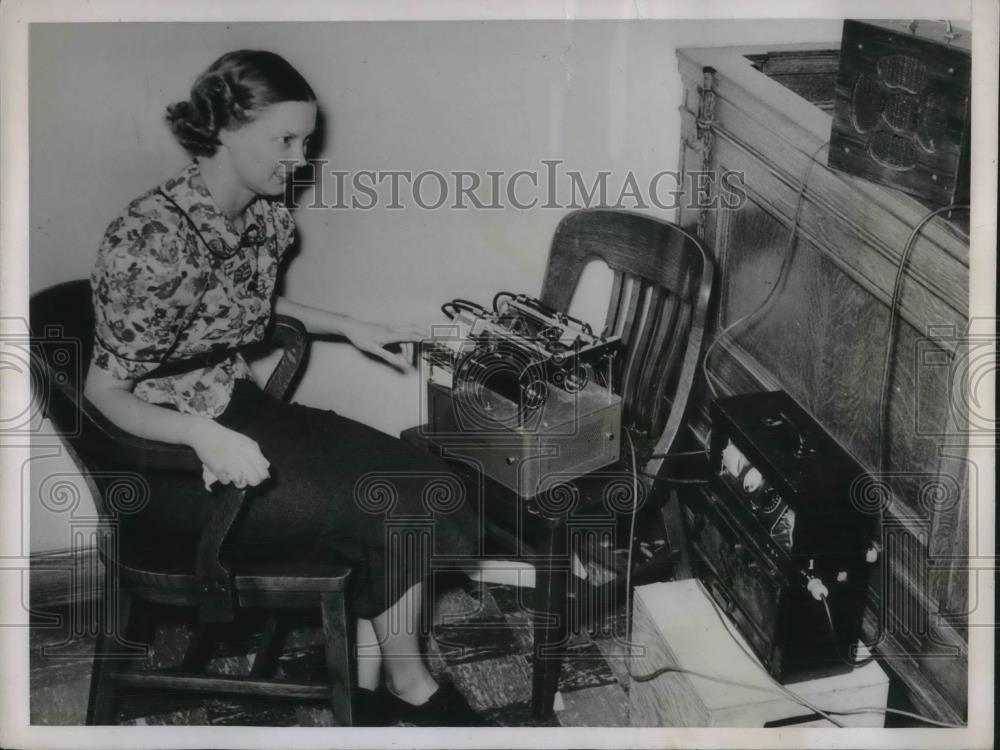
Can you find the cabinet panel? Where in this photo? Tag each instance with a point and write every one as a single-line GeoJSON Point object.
{"type": "Point", "coordinates": [823, 337]}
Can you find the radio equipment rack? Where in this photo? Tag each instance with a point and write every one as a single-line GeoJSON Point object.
{"type": "Point", "coordinates": [782, 523]}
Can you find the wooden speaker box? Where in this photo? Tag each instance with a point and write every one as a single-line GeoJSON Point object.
{"type": "Point", "coordinates": [902, 111]}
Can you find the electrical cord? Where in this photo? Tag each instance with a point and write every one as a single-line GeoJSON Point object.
{"type": "Point", "coordinates": [497, 297]}
{"type": "Point", "coordinates": [829, 711]}
{"type": "Point", "coordinates": [889, 348]}
{"type": "Point", "coordinates": [462, 304]}
{"type": "Point", "coordinates": [881, 710]}
{"type": "Point", "coordinates": [702, 452]}
{"type": "Point", "coordinates": [778, 282]}
{"type": "Point", "coordinates": [866, 709]}
{"type": "Point", "coordinates": [628, 616]}
{"type": "Point", "coordinates": [836, 646]}
{"type": "Point", "coordinates": [672, 480]}
{"type": "Point", "coordinates": [778, 688]}
{"type": "Point", "coordinates": [784, 690]}
{"type": "Point", "coordinates": [890, 344]}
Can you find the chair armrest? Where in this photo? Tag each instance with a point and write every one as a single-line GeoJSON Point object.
{"type": "Point", "coordinates": [214, 578]}
{"type": "Point", "coordinates": [289, 334]}
{"type": "Point", "coordinates": [125, 449]}
{"type": "Point", "coordinates": [107, 442]}
{"type": "Point", "coordinates": [94, 435]}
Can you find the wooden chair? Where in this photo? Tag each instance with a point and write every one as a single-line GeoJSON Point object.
{"type": "Point", "coordinates": [659, 303]}
{"type": "Point", "coordinates": [217, 584]}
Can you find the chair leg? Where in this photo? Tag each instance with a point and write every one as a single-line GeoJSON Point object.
{"type": "Point", "coordinates": [200, 648]}
{"type": "Point", "coordinates": [111, 637]}
{"type": "Point", "coordinates": [338, 661]}
{"type": "Point", "coordinates": [551, 625]}
{"type": "Point", "coordinates": [271, 642]}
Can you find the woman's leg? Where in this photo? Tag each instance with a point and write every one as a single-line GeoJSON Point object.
{"type": "Point", "coordinates": [397, 628]}
{"type": "Point", "coordinates": [327, 472]}
{"type": "Point", "coordinates": [369, 655]}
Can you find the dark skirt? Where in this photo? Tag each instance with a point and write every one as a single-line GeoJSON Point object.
{"type": "Point", "coordinates": [337, 487]}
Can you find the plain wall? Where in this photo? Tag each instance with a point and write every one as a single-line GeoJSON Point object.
{"type": "Point", "coordinates": [447, 96]}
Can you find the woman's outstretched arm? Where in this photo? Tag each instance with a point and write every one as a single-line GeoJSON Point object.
{"type": "Point", "coordinates": [368, 337]}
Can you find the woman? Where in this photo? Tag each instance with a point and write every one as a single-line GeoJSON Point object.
{"type": "Point", "coordinates": [188, 270]}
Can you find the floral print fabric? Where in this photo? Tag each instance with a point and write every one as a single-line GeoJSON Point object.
{"type": "Point", "coordinates": [174, 281]}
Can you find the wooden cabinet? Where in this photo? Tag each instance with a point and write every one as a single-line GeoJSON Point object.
{"type": "Point", "coordinates": [823, 338]}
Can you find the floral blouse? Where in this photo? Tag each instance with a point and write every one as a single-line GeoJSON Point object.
{"type": "Point", "coordinates": [175, 281]}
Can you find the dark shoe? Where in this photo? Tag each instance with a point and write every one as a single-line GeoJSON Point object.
{"type": "Point", "coordinates": [446, 707]}
{"type": "Point", "coordinates": [370, 709]}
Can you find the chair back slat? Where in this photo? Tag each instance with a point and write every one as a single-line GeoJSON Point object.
{"type": "Point", "coordinates": [631, 308]}
{"type": "Point", "coordinates": [664, 335]}
{"type": "Point", "coordinates": [662, 389]}
{"type": "Point", "coordinates": [658, 305]}
{"type": "Point", "coordinates": [638, 350]}
{"type": "Point", "coordinates": [614, 303]}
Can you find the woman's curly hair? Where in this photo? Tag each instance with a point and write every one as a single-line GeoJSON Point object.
{"type": "Point", "coordinates": [227, 94]}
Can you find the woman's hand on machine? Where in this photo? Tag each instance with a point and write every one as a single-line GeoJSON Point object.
{"type": "Point", "coordinates": [228, 456]}
{"type": "Point", "coordinates": [372, 338]}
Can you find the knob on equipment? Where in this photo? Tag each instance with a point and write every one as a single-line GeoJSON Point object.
{"type": "Point", "coordinates": [775, 534]}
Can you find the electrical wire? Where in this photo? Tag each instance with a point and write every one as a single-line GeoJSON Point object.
{"type": "Point", "coordinates": [836, 645]}
{"type": "Point", "coordinates": [496, 299]}
{"type": "Point", "coordinates": [784, 690]}
{"type": "Point", "coordinates": [462, 304]}
{"type": "Point", "coordinates": [829, 711]}
{"type": "Point", "coordinates": [890, 344]}
{"type": "Point", "coordinates": [628, 609]}
{"type": "Point", "coordinates": [672, 480]}
{"type": "Point", "coordinates": [701, 452]}
{"type": "Point", "coordinates": [778, 688]}
{"type": "Point", "coordinates": [890, 340]}
{"type": "Point", "coordinates": [881, 710]}
{"type": "Point", "coordinates": [778, 282]}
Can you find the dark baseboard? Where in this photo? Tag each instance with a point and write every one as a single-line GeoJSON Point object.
{"type": "Point", "coordinates": [65, 577]}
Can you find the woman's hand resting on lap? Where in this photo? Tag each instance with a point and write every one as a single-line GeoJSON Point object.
{"type": "Point", "coordinates": [229, 455]}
